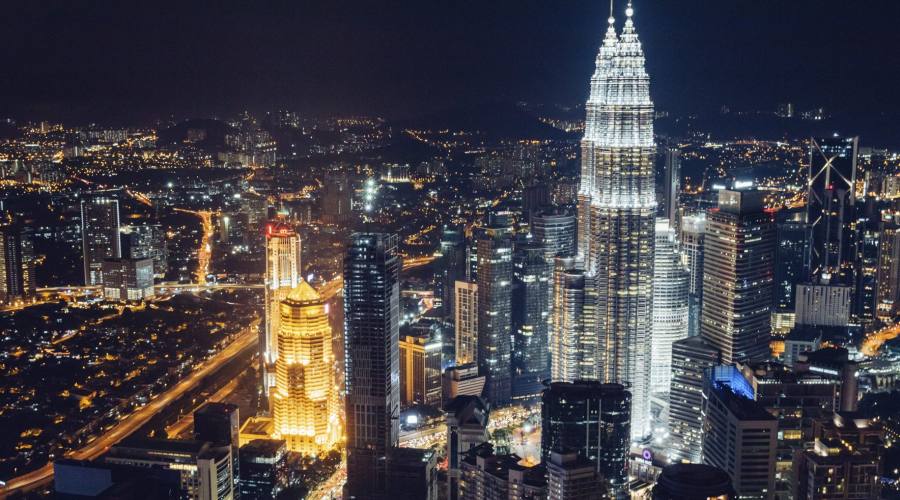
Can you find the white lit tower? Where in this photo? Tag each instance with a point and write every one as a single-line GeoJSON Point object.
{"type": "Point", "coordinates": [282, 276]}
{"type": "Point", "coordinates": [616, 215]}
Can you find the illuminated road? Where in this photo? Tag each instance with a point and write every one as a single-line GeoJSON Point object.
{"type": "Point", "coordinates": [204, 253]}
{"type": "Point", "coordinates": [179, 427]}
{"type": "Point", "coordinates": [333, 486]}
{"type": "Point", "coordinates": [873, 342]}
{"type": "Point", "coordinates": [40, 477]}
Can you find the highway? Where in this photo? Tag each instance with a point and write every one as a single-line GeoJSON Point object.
{"type": "Point", "coordinates": [40, 477]}
{"type": "Point", "coordinates": [873, 342]}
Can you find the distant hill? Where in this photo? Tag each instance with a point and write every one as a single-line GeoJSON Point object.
{"type": "Point", "coordinates": [495, 120]}
{"type": "Point", "coordinates": [213, 132]}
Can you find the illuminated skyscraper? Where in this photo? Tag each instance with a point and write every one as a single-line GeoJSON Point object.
{"type": "Point", "coordinates": [738, 277]}
{"type": "Point", "coordinates": [671, 284]}
{"type": "Point", "coordinates": [371, 360]}
{"type": "Point", "coordinates": [466, 322]}
{"type": "Point", "coordinates": [495, 275]}
{"type": "Point", "coordinates": [16, 264]}
{"type": "Point", "coordinates": [830, 206]}
{"type": "Point", "coordinates": [530, 314]}
{"type": "Point", "coordinates": [691, 240]}
{"type": "Point", "coordinates": [304, 400]}
{"type": "Point", "coordinates": [282, 276]}
{"type": "Point", "coordinates": [99, 233]}
{"type": "Point", "coordinates": [616, 212]}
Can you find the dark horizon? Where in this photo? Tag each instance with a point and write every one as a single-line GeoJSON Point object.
{"type": "Point", "coordinates": [130, 63]}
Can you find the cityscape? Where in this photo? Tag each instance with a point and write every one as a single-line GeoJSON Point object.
{"type": "Point", "coordinates": [529, 298]}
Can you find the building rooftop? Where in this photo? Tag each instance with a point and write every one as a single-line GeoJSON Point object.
{"type": "Point", "coordinates": [303, 292]}
{"type": "Point", "coordinates": [741, 407]}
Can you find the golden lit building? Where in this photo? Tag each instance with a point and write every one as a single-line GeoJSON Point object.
{"type": "Point", "coordinates": [282, 276]}
{"type": "Point", "coordinates": [305, 397]}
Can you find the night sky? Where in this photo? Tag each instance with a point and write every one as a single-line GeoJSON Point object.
{"type": "Point", "coordinates": [129, 61]}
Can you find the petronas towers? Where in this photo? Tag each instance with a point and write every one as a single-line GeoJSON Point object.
{"type": "Point", "coordinates": [616, 219]}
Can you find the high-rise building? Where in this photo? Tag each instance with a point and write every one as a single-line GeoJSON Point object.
{"type": "Point", "coordinates": [220, 424]}
{"type": "Point", "coordinates": [420, 370]}
{"type": "Point", "coordinates": [591, 419]}
{"type": "Point", "coordinates": [467, 420]}
{"type": "Point", "coordinates": [462, 380]}
{"type": "Point", "coordinates": [16, 264]}
{"type": "Point", "coordinates": [264, 471]}
{"type": "Point", "coordinates": [304, 399]}
{"type": "Point", "coordinates": [693, 228]}
{"type": "Point", "coordinates": [684, 481]}
{"type": "Point", "coordinates": [485, 475]}
{"type": "Point", "coordinates": [691, 359]}
{"type": "Point", "coordinates": [672, 186]}
{"type": "Point", "coordinates": [616, 212]}
{"type": "Point", "coordinates": [530, 317]}
{"type": "Point", "coordinates": [451, 268]}
{"type": "Point", "coordinates": [146, 241]}
{"type": "Point", "coordinates": [791, 258]}
{"type": "Point", "coordinates": [845, 461]}
{"type": "Point", "coordinates": [868, 244]}
{"type": "Point", "coordinates": [371, 360]}
{"type": "Point", "coordinates": [283, 274]}
{"type": "Point", "coordinates": [555, 229]}
{"type": "Point", "coordinates": [738, 275]}
{"type": "Point", "coordinates": [128, 279]}
{"type": "Point", "coordinates": [671, 285]}
{"type": "Point", "coordinates": [739, 438]}
{"type": "Point", "coordinates": [573, 345]}
{"type": "Point", "coordinates": [823, 305]}
{"type": "Point", "coordinates": [99, 233]}
{"type": "Point", "coordinates": [412, 473]}
{"type": "Point", "coordinates": [337, 198]}
{"type": "Point", "coordinates": [888, 281]}
{"type": "Point", "coordinates": [830, 208]}
{"type": "Point", "coordinates": [495, 275]}
{"type": "Point", "coordinates": [573, 477]}
{"type": "Point", "coordinates": [466, 322]}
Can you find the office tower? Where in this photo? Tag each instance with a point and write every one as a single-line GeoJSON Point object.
{"type": "Point", "coordinates": [573, 345]}
{"type": "Point", "coordinates": [283, 274]}
{"type": "Point", "coordinates": [868, 243]}
{"type": "Point", "coordinates": [264, 471]}
{"type": "Point", "coordinates": [688, 481]}
{"type": "Point", "coordinates": [203, 470]}
{"type": "Point", "coordinates": [466, 322]}
{"type": "Point", "coordinates": [672, 186]}
{"type": "Point", "coordinates": [671, 285]}
{"type": "Point", "coordinates": [420, 370]}
{"type": "Point", "coordinates": [737, 276]}
{"type": "Point", "coordinates": [530, 316]}
{"type": "Point", "coordinates": [337, 197]}
{"type": "Point", "coordinates": [451, 268]}
{"type": "Point", "coordinates": [304, 398]}
{"type": "Point", "coordinates": [833, 363]}
{"type": "Point", "coordinates": [592, 419]}
{"type": "Point", "coordinates": [796, 400]}
{"type": "Point", "coordinates": [16, 264]}
{"type": "Point", "coordinates": [791, 261]}
{"type": "Point", "coordinates": [487, 476]}
{"type": "Point", "coordinates": [693, 227]}
{"type": "Point", "coordinates": [371, 364]}
{"type": "Point", "coordinates": [467, 420]}
{"type": "Point", "coordinates": [691, 359]}
{"type": "Point", "coordinates": [99, 233]}
{"type": "Point", "coordinates": [846, 460]}
{"type": "Point", "coordinates": [555, 229]}
{"type": "Point", "coordinates": [127, 279]}
{"type": "Point", "coordinates": [823, 305]}
{"type": "Point", "coordinates": [799, 340]}
{"type": "Point", "coordinates": [739, 438]}
{"type": "Point", "coordinates": [462, 380]}
{"type": "Point", "coordinates": [616, 211]}
{"type": "Point", "coordinates": [888, 281]}
{"type": "Point", "coordinates": [146, 241]}
{"type": "Point", "coordinates": [412, 473]}
{"type": "Point", "coordinates": [220, 424]}
{"type": "Point", "coordinates": [830, 206]}
{"type": "Point", "coordinates": [495, 274]}
{"type": "Point", "coordinates": [573, 477]}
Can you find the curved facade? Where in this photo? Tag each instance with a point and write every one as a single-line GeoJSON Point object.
{"type": "Point", "coordinates": [305, 399]}
{"type": "Point", "coordinates": [616, 214]}
{"type": "Point", "coordinates": [671, 283]}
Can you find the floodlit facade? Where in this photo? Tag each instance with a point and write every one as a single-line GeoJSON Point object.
{"type": "Point", "coordinates": [671, 284]}
{"type": "Point", "coordinates": [305, 406]}
{"type": "Point", "coordinates": [282, 276]}
{"type": "Point", "coordinates": [616, 212]}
